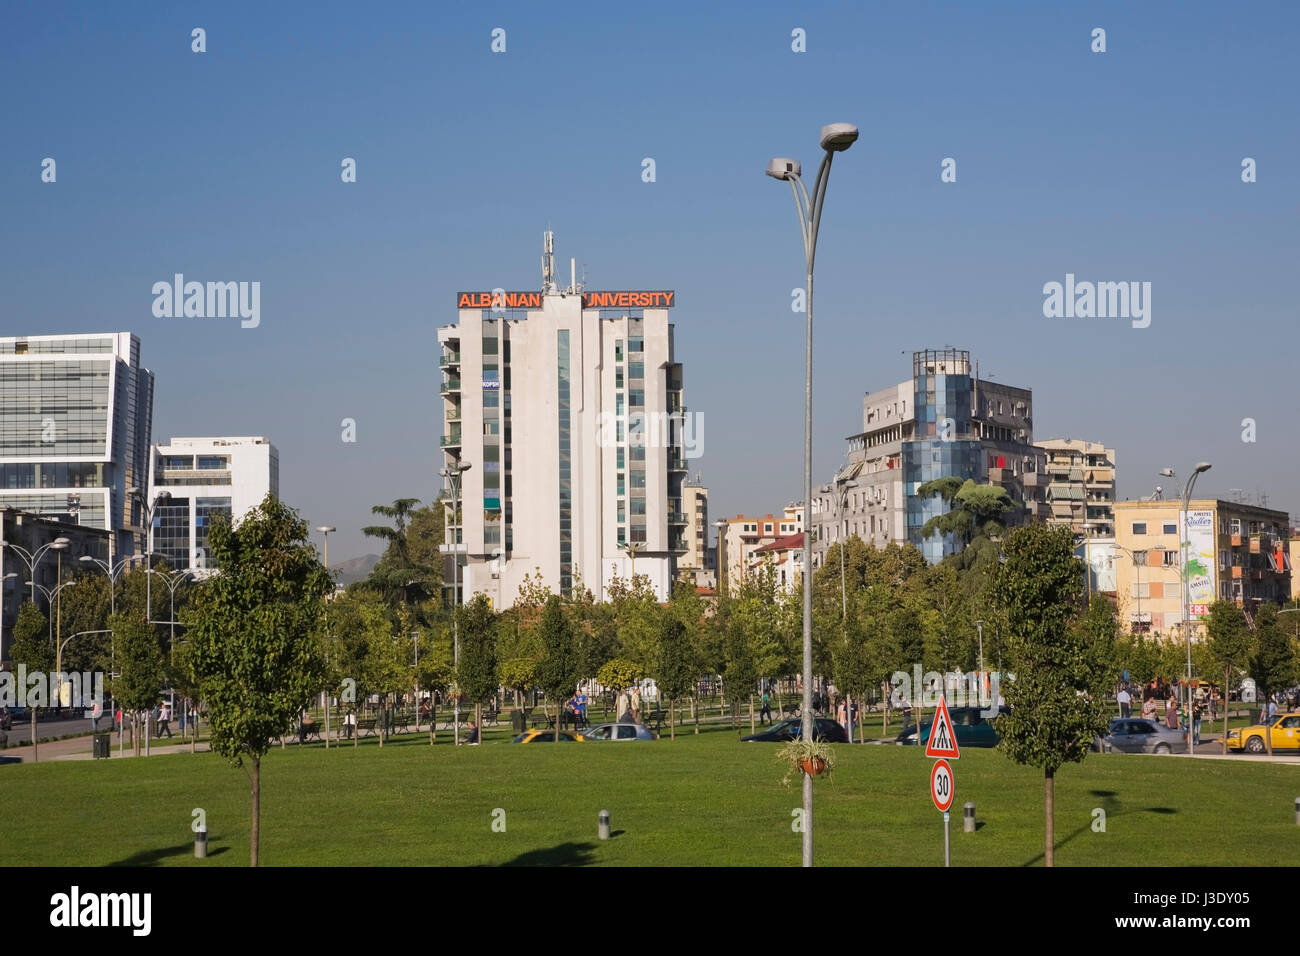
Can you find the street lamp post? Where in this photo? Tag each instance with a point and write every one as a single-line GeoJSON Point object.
{"type": "Point", "coordinates": [1187, 627]}
{"type": "Point", "coordinates": [835, 138]}
{"type": "Point", "coordinates": [33, 559]}
{"type": "Point", "coordinates": [149, 510]}
{"type": "Point", "coordinates": [3, 579]}
{"type": "Point", "coordinates": [325, 530]}
{"type": "Point", "coordinates": [113, 571]}
{"type": "Point", "coordinates": [721, 525]}
{"type": "Point", "coordinates": [454, 475]}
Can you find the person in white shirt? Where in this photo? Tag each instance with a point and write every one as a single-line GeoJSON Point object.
{"type": "Point", "coordinates": [1125, 701]}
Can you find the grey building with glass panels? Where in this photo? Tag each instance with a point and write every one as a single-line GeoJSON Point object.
{"type": "Point", "coordinates": [75, 419]}
{"type": "Point", "coordinates": [943, 421]}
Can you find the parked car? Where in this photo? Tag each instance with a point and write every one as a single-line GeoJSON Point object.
{"type": "Point", "coordinates": [542, 736]}
{"type": "Point", "coordinates": [823, 729]}
{"type": "Point", "coordinates": [618, 732]}
{"type": "Point", "coordinates": [1285, 730]}
{"type": "Point", "coordinates": [970, 725]}
{"type": "Point", "coordinates": [1136, 735]}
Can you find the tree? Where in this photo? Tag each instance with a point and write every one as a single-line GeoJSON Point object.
{"type": "Point", "coordinates": [140, 669]}
{"type": "Point", "coordinates": [1056, 699]}
{"type": "Point", "coordinates": [397, 574]}
{"type": "Point", "coordinates": [519, 673]}
{"type": "Point", "coordinates": [255, 653]}
{"type": "Point", "coordinates": [1230, 643]}
{"type": "Point", "coordinates": [31, 649]}
{"type": "Point", "coordinates": [477, 677]}
{"type": "Point", "coordinates": [677, 667]}
{"type": "Point", "coordinates": [1273, 662]}
{"type": "Point", "coordinates": [557, 671]}
{"type": "Point", "coordinates": [618, 673]}
{"type": "Point", "coordinates": [973, 510]}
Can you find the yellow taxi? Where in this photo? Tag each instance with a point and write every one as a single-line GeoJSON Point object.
{"type": "Point", "coordinates": [546, 737]}
{"type": "Point", "coordinates": [1285, 731]}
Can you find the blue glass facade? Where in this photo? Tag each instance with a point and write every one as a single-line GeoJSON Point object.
{"type": "Point", "coordinates": [942, 404]}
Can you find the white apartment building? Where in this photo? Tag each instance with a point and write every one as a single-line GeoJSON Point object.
{"type": "Point", "coordinates": [204, 477]}
{"type": "Point", "coordinates": [567, 406]}
{"type": "Point", "coordinates": [696, 562]}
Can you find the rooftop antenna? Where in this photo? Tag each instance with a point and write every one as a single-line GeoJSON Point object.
{"type": "Point", "coordinates": [548, 262]}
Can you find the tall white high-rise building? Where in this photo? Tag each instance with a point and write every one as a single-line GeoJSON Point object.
{"type": "Point", "coordinates": [206, 477]}
{"type": "Point", "coordinates": [567, 406]}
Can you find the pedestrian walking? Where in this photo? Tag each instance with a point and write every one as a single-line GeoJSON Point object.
{"type": "Point", "coordinates": [1171, 713]}
{"type": "Point", "coordinates": [164, 720]}
{"type": "Point", "coordinates": [765, 716]}
{"type": "Point", "coordinates": [1125, 701]}
{"type": "Point", "coordinates": [1196, 723]}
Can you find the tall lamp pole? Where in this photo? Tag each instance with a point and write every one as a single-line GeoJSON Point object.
{"type": "Point", "coordinates": [4, 579]}
{"type": "Point", "coordinates": [1187, 627]}
{"type": "Point", "coordinates": [454, 475]}
{"type": "Point", "coordinates": [835, 138]}
{"type": "Point", "coordinates": [32, 559]}
{"type": "Point", "coordinates": [149, 509]}
{"type": "Point", "coordinates": [722, 534]}
{"type": "Point", "coordinates": [325, 529]}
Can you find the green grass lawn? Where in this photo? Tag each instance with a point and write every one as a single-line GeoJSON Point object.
{"type": "Point", "coordinates": [701, 800]}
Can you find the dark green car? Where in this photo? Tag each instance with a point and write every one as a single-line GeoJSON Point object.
{"type": "Point", "coordinates": [973, 729]}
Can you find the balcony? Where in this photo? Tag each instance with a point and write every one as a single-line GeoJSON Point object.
{"type": "Point", "coordinates": [449, 360]}
{"type": "Point", "coordinates": [450, 384]}
{"type": "Point", "coordinates": [1236, 541]}
{"type": "Point", "coordinates": [676, 463]}
{"type": "Point", "coordinates": [676, 517]}
{"type": "Point", "coordinates": [451, 441]}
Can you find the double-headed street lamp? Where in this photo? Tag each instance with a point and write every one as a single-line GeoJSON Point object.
{"type": "Point", "coordinates": [835, 138]}
{"type": "Point", "coordinates": [1187, 628]}
{"type": "Point", "coordinates": [173, 581]}
{"type": "Point", "coordinates": [33, 559]}
{"type": "Point", "coordinates": [454, 475]}
{"type": "Point", "coordinates": [149, 508]}
{"type": "Point", "coordinates": [842, 487]}
{"type": "Point", "coordinates": [51, 597]}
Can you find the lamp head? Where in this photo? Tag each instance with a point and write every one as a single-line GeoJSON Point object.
{"type": "Point", "coordinates": [782, 168]}
{"type": "Point", "coordinates": [463, 466]}
{"type": "Point", "coordinates": [1203, 466]}
{"type": "Point", "coordinates": [837, 137]}
{"type": "Point", "coordinates": [60, 544]}
{"type": "Point", "coordinates": [1167, 473]}
{"type": "Point", "coordinates": [325, 529]}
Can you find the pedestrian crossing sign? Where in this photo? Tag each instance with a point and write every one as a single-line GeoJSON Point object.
{"type": "Point", "coordinates": [943, 741]}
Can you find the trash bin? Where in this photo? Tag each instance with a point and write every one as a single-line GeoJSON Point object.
{"type": "Point", "coordinates": [101, 745]}
{"type": "Point", "coordinates": [518, 720]}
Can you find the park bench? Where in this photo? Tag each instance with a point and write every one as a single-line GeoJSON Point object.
{"type": "Point", "coordinates": [399, 723]}
{"type": "Point", "coordinates": [366, 726]}
{"type": "Point", "coordinates": [310, 730]}
{"type": "Point", "coordinates": [657, 719]}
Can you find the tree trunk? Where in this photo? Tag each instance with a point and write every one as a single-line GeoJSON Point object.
{"type": "Point", "coordinates": [1268, 729]}
{"type": "Point", "coordinates": [327, 720]}
{"type": "Point", "coordinates": [672, 720]}
{"type": "Point", "coordinates": [559, 709]}
{"type": "Point", "coordinates": [383, 698]}
{"type": "Point", "coordinates": [751, 713]}
{"type": "Point", "coordinates": [256, 831]}
{"type": "Point", "coordinates": [695, 711]}
{"type": "Point", "coordinates": [1049, 800]}
{"type": "Point", "coordinates": [1227, 673]}
{"type": "Point", "coordinates": [36, 752]}
{"type": "Point", "coordinates": [478, 722]}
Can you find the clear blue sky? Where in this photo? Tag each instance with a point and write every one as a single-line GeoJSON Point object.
{"type": "Point", "coordinates": [225, 166]}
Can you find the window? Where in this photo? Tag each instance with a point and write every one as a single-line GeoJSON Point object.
{"type": "Point", "coordinates": [1170, 528]}
{"type": "Point", "coordinates": [1142, 590]}
{"type": "Point", "coordinates": [1170, 559]}
{"type": "Point", "coordinates": [636, 344]}
{"type": "Point", "coordinates": [636, 397]}
{"type": "Point", "coordinates": [1139, 527]}
{"type": "Point", "coordinates": [618, 350]}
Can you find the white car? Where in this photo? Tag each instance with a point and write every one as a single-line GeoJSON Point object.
{"type": "Point", "coordinates": [618, 732]}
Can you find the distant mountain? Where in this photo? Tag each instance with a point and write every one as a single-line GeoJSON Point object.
{"type": "Point", "coordinates": [354, 569]}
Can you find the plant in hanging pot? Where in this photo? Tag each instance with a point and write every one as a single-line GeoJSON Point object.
{"type": "Point", "coordinates": [813, 757]}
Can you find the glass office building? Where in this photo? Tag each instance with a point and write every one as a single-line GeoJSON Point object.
{"type": "Point", "coordinates": [75, 419]}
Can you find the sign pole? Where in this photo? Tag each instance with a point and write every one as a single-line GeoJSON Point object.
{"type": "Point", "coordinates": [947, 842]}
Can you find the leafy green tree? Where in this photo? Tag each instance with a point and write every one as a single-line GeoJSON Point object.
{"type": "Point", "coordinates": [973, 510]}
{"type": "Point", "coordinates": [677, 667]}
{"type": "Point", "coordinates": [619, 673]}
{"type": "Point", "coordinates": [1273, 664]}
{"type": "Point", "coordinates": [256, 656]}
{"type": "Point", "coordinates": [1230, 644]}
{"type": "Point", "coordinates": [86, 608]}
{"type": "Point", "coordinates": [477, 677]}
{"type": "Point", "coordinates": [31, 649]}
{"type": "Point", "coordinates": [1057, 703]}
{"type": "Point", "coordinates": [398, 575]}
{"type": "Point", "coordinates": [519, 674]}
{"type": "Point", "coordinates": [741, 673]}
{"type": "Point", "coordinates": [140, 668]}
{"type": "Point", "coordinates": [557, 671]}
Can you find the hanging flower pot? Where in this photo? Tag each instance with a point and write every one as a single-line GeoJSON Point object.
{"type": "Point", "coordinates": [813, 766]}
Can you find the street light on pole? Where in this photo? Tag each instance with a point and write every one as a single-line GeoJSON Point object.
{"type": "Point", "coordinates": [325, 530]}
{"type": "Point", "coordinates": [1187, 627]}
{"type": "Point", "coordinates": [149, 510]}
{"type": "Point", "coordinates": [721, 525]}
{"type": "Point", "coordinates": [454, 475]}
{"type": "Point", "coordinates": [835, 138]}
{"type": "Point", "coordinates": [33, 559]}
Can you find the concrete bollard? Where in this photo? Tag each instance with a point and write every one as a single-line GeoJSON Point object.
{"type": "Point", "coordinates": [201, 844]}
{"type": "Point", "coordinates": [604, 825]}
{"type": "Point", "coordinates": [968, 817]}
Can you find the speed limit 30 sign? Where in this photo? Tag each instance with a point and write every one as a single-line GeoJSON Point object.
{"type": "Point", "coordinates": [941, 785]}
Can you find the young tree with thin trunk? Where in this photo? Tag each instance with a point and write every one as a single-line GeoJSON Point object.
{"type": "Point", "coordinates": [1230, 643]}
{"type": "Point", "coordinates": [1062, 660]}
{"type": "Point", "coordinates": [1273, 663]}
{"type": "Point", "coordinates": [557, 672]}
{"type": "Point", "coordinates": [255, 653]}
{"type": "Point", "coordinates": [677, 667]}
{"type": "Point", "coordinates": [477, 676]}
{"type": "Point", "coordinates": [141, 670]}
{"type": "Point", "coordinates": [31, 649]}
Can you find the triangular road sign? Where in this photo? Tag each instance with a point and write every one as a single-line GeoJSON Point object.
{"type": "Point", "coordinates": [943, 740]}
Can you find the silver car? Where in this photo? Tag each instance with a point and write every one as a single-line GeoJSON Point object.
{"type": "Point", "coordinates": [1136, 735]}
{"type": "Point", "coordinates": [618, 732]}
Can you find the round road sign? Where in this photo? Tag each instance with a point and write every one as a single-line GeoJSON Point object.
{"type": "Point", "coordinates": [941, 785]}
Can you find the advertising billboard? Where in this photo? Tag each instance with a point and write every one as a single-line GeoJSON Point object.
{"type": "Point", "coordinates": [1197, 540]}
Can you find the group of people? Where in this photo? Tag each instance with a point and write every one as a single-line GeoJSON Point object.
{"type": "Point", "coordinates": [628, 706]}
{"type": "Point", "coordinates": [162, 715]}
{"type": "Point", "coordinates": [1201, 708]}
